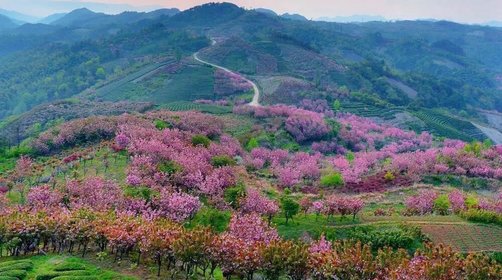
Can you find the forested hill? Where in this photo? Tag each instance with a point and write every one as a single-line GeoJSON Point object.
{"type": "Point", "coordinates": [411, 65]}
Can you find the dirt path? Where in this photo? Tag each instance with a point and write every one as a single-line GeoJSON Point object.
{"type": "Point", "coordinates": [399, 221]}
{"type": "Point", "coordinates": [256, 96]}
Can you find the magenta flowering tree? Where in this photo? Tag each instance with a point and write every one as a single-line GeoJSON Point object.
{"type": "Point", "coordinates": [306, 125]}
{"type": "Point", "coordinates": [457, 201]}
{"type": "Point", "coordinates": [178, 207]}
{"type": "Point", "coordinates": [321, 246]}
{"type": "Point", "coordinates": [95, 192]}
{"type": "Point", "coordinates": [251, 228]}
{"type": "Point", "coordinates": [122, 140]}
{"type": "Point", "coordinates": [422, 203]}
{"type": "Point", "coordinates": [318, 207]}
{"type": "Point", "coordinates": [43, 197]}
{"type": "Point", "coordinates": [343, 205]}
{"type": "Point", "coordinates": [254, 202]}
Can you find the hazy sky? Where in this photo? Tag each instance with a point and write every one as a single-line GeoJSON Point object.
{"type": "Point", "coordinates": [470, 11]}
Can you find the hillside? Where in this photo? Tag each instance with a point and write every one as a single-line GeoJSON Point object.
{"type": "Point", "coordinates": [225, 143]}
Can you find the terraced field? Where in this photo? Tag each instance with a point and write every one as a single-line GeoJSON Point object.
{"type": "Point", "coordinates": [369, 111]}
{"type": "Point", "coordinates": [190, 106]}
{"type": "Point", "coordinates": [443, 125]}
{"type": "Point", "coordinates": [152, 84]}
{"type": "Point", "coordinates": [55, 267]}
{"type": "Point", "coordinates": [466, 237]}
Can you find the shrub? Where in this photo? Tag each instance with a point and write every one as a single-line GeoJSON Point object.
{"type": "Point", "coordinates": [389, 176]}
{"type": "Point", "coordinates": [8, 278]}
{"type": "Point", "coordinates": [170, 167]}
{"type": "Point", "coordinates": [220, 161]}
{"type": "Point", "coordinates": [18, 273]}
{"type": "Point", "coordinates": [400, 237]}
{"type": "Point", "coordinates": [161, 125]}
{"type": "Point", "coordinates": [201, 140]}
{"type": "Point", "coordinates": [12, 263]}
{"type": "Point", "coordinates": [334, 179]}
{"type": "Point", "coordinates": [17, 266]}
{"type": "Point", "coordinates": [481, 216]}
{"type": "Point", "coordinates": [70, 266]}
{"type": "Point", "coordinates": [471, 201]}
{"type": "Point", "coordinates": [252, 144]}
{"type": "Point", "coordinates": [442, 204]}
{"type": "Point", "coordinates": [234, 194]}
{"type": "Point", "coordinates": [213, 218]}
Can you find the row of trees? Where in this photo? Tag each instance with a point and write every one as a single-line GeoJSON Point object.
{"type": "Point", "coordinates": [249, 247]}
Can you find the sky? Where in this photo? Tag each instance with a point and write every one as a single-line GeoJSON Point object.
{"type": "Point", "coordinates": [465, 11]}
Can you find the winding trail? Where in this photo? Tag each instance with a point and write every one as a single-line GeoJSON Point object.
{"type": "Point", "coordinates": [256, 97]}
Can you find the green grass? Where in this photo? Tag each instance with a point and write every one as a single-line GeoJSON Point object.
{"type": "Point", "coordinates": [309, 224]}
{"type": "Point", "coordinates": [44, 267]}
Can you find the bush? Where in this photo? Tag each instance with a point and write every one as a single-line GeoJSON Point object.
{"type": "Point", "coordinates": [471, 201]}
{"type": "Point", "coordinates": [161, 125]}
{"type": "Point", "coordinates": [482, 216]}
{"type": "Point", "coordinates": [16, 265]}
{"type": "Point", "coordinates": [389, 176]}
{"type": "Point", "coordinates": [70, 266]}
{"type": "Point", "coordinates": [8, 278]}
{"type": "Point", "coordinates": [252, 144]}
{"type": "Point", "coordinates": [18, 273]}
{"type": "Point", "coordinates": [170, 167]}
{"type": "Point", "coordinates": [234, 194]}
{"type": "Point", "coordinates": [442, 204]}
{"type": "Point", "coordinates": [213, 218]}
{"type": "Point", "coordinates": [200, 139]}
{"type": "Point", "coordinates": [220, 161]}
{"type": "Point", "coordinates": [400, 237]}
{"type": "Point", "coordinates": [334, 179]}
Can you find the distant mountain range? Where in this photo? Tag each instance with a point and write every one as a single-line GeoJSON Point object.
{"type": "Point", "coordinates": [353, 18]}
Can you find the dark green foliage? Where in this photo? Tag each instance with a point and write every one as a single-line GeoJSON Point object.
{"type": "Point", "coordinates": [20, 274]}
{"type": "Point", "coordinates": [201, 140]}
{"type": "Point", "coordinates": [211, 217]}
{"type": "Point", "coordinates": [12, 263]}
{"type": "Point", "coordinates": [220, 161]}
{"type": "Point", "coordinates": [17, 266]}
{"type": "Point", "coordinates": [8, 278]}
{"type": "Point", "coordinates": [395, 237]}
{"type": "Point", "coordinates": [290, 207]}
{"type": "Point", "coordinates": [69, 266]}
{"type": "Point", "coordinates": [333, 179]}
{"type": "Point", "coordinates": [139, 192]}
{"type": "Point", "coordinates": [234, 194]}
{"type": "Point", "coordinates": [170, 167]}
{"type": "Point", "coordinates": [482, 216]}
